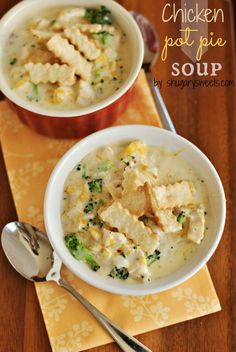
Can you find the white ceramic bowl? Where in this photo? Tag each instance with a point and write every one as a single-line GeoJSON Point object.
{"type": "Point", "coordinates": [153, 136]}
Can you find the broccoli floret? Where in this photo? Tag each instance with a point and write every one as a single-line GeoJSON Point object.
{"type": "Point", "coordinates": [103, 36]}
{"type": "Point", "coordinates": [89, 207]}
{"type": "Point", "coordinates": [80, 251]}
{"type": "Point", "coordinates": [71, 241]}
{"type": "Point", "coordinates": [120, 273]}
{"type": "Point", "coordinates": [112, 273]}
{"type": "Point", "coordinates": [95, 185]}
{"type": "Point", "coordinates": [181, 218]}
{"type": "Point", "coordinates": [35, 89]}
{"type": "Point", "coordinates": [102, 16]}
{"type": "Point", "coordinates": [128, 159]}
{"type": "Point", "coordinates": [84, 173]}
{"type": "Point", "coordinates": [91, 261]}
{"type": "Point", "coordinates": [153, 257]}
{"type": "Point", "coordinates": [13, 61]}
{"type": "Point", "coordinates": [97, 222]}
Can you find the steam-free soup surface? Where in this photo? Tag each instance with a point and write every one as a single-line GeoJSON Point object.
{"type": "Point", "coordinates": [67, 58]}
{"type": "Point", "coordinates": [134, 212]}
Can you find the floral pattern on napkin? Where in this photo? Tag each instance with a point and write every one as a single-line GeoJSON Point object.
{"type": "Point", "coordinates": [30, 159]}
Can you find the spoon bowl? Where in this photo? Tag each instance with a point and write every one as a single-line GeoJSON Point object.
{"type": "Point", "coordinates": [151, 52]}
{"type": "Point", "coordinates": [31, 254]}
{"type": "Point", "coordinates": [150, 40]}
{"type": "Point", "coordinates": [28, 250]}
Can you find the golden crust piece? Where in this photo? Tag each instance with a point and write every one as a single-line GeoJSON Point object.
{"type": "Point", "coordinates": [152, 207]}
{"type": "Point", "coordinates": [134, 178]}
{"type": "Point", "coordinates": [95, 28]}
{"type": "Point", "coordinates": [115, 190]}
{"type": "Point", "coordinates": [138, 202]}
{"type": "Point", "coordinates": [67, 15]}
{"type": "Point", "coordinates": [81, 41]}
{"type": "Point", "coordinates": [118, 217]}
{"type": "Point", "coordinates": [67, 54]}
{"type": "Point", "coordinates": [131, 180]}
{"type": "Point", "coordinates": [42, 55]}
{"type": "Point", "coordinates": [135, 202]}
{"type": "Point", "coordinates": [43, 73]}
{"type": "Point", "coordinates": [167, 220]}
{"type": "Point", "coordinates": [173, 195]}
{"type": "Point", "coordinates": [42, 34]}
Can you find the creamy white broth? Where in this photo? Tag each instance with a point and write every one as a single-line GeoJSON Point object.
{"type": "Point", "coordinates": [176, 250]}
{"type": "Point", "coordinates": [107, 73]}
{"type": "Point", "coordinates": [174, 247]}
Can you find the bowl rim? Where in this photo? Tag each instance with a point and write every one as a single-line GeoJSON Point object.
{"type": "Point", "coordinates": [136, 291]}
{"type": "Point", "coordinates": [40, 110]}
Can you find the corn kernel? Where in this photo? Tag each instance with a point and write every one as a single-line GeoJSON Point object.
{"type": "Point", "coordinates": [70, 189]}
{"type": "Point", "coordinates": [111, 242]}
{"type": "Point", "coordinates": [22, 83]}
{"type": "Point", "coordinates": [136, 146]}
{"type": "Point", "coordinates": [143, 167]}
{"type": "Point", "coordinates": [95, 234]}
{"type": "Point", "coordinates": [62, 94]}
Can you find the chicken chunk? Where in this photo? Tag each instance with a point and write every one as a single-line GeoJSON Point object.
{"type": "Point", "coordinates": [196, 227]}
{"type": "Point", "coordinates": [86, 94]}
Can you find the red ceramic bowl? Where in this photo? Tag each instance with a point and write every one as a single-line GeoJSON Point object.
{"type": "Point", "coordinates": [72, 123]}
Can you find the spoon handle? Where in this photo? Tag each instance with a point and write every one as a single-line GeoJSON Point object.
{"type": "Point", "coordinates": [126, 342]}
{"type": "Point", "coordinates": [161, 107]}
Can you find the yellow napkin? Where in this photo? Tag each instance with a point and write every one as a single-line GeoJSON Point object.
{"type": "Point", "coordinates": [30, 159]}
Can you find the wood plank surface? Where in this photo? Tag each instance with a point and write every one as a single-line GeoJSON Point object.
{"type": "Point", "coordinates": [205, 116]}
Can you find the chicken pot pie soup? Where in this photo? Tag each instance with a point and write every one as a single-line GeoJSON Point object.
{"type": "Point", "coordinates": [67, 57]}
{"type": "Point", "coordinates": [134, 212]}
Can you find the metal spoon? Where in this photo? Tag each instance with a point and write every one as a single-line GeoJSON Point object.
{"type": "Point", "coordinates": [30, 253]}
{"type": "Point", "coordinates": [151, 52]}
